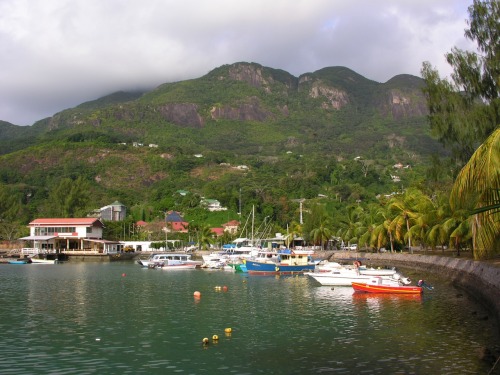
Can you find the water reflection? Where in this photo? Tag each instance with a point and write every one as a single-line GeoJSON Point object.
{"type": "Point", "coordinates": [88, 318]}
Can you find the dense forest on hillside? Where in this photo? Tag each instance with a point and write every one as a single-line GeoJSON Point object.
{"type": "Point", "coordinates": [330, 146]}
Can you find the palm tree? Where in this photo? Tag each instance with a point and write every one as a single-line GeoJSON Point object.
{"type": "Point", "coordinates": [205, 237]}
{"type": "Point", "coordinates": [437, 234]}
{"type": "Point", "coordinates": [383, 232]}
{"type": "Point", "coordinates": [322, 233]}
{"type": "Point", "coordinates": [424, 220]}
{"type": "Point", "coordinates": [403, 208]}
{"type": "Point", "coordinates": [349, 227]}
{"type": "Point", "coordinates": [370, 219]}
{"type": "Point", "coordinates": [294, 231]}
{"type": "Point", "coordinates": [479, 182]}
{"type": "Point", "coordinates": [458, 227]}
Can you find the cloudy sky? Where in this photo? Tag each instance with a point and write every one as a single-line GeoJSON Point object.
{"type": "Point", "coordinates": [56, 54]}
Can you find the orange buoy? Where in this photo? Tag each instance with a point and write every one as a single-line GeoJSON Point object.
{"type": "Point", "coordinates": [224, 288]}
{"type": "Point", "coordinates": [197, 294]}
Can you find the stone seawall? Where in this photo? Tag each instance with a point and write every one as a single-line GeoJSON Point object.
{"type": "Point", "coordinates": [479, 279]}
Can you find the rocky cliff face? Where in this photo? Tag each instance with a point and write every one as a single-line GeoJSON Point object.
{"type": "Point", "coordinates": [182, 114]}
{"type": "Point", "coordinates": [333, 98]}
{"type": "Point", "coordinates": [249, 111]}
{"type": "Point", "coordinates": [331, 89]}
{"type": "Point", "coordinates": [403, 105]}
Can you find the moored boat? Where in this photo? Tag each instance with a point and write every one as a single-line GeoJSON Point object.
{"type": "Point", "coordinates": [346, 276]}
{"type": "Point", "coordinates": [20, 261]}
{"type": "Point", "coordinates": [381, 285]}
{"type": "Point", "coordinates": [288, 262]}
{"type": "Point", "coordinates": [169, 260]}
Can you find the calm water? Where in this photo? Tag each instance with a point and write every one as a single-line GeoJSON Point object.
{"type": "Point", "coordinates": [117, 318]}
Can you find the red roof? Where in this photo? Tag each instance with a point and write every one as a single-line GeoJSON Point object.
{"type": "Point", "coordinates": [217, 231]}
{"type": "Point", "coordinates": [177, 226]}
{"type": "Point", "coordinates": [141, 223]}
{"type": "Point", "coordinates": [232, 223]}
{"type": "Point", "coordinates": [67, 221]}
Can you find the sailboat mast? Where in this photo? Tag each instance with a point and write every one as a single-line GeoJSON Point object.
{"type": "Point", "coordinates": [253, 221]}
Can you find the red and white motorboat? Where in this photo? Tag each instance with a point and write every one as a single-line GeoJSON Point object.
{"type": "Point", "coordinates": [381, 285]}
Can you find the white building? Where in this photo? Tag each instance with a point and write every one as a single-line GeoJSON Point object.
{"type": "Point", "coordinates": [69, 235]}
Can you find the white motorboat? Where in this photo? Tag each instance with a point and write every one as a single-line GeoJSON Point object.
{"type": "Point", "coordinates": [170, 261]}
{"type": "Point", "coordinates": [39, 260]}
{"type": "Point", "coordinates": [347, 276]}
{"type": "Point", "coordinates": [377, 271]}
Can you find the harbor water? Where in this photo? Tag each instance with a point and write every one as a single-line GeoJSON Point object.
{"type": "Point", "coordinates": [119, 318]}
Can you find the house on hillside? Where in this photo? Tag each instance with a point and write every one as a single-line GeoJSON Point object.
{"type": "Point", "coordinates": [68, 235]}
{"type": "Point", "coordinates": [217, 231]}
{"type": "Point", "coordinates": [175, 222]}
{"type": "Point", "coordinates": [116, 211]}
{"type": "Point", "coordinates": [212, 205]}
{"type": "Point", "coordinates": [231, 227]}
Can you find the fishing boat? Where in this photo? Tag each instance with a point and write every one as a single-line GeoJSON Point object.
{"type": "Point", "coordinates": [170, 261]}
{"type": "Point", "coordinates": [288, 262]}
{"type": "Point", "coordinates": [380, 285]}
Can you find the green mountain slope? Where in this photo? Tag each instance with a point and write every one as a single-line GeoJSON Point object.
{"type": "Point", "coordinates": [297, 136]}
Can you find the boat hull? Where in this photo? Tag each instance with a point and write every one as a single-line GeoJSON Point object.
{"type": "Point", "coordinates": [260, 268]}
{"type": "Point", "coordinates": [368, 288]}
{"type": "Point", "coordinates": [337, 279]}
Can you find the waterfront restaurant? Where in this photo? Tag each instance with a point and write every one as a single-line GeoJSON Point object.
{"type": "Point", "coordinates": [78, 236]}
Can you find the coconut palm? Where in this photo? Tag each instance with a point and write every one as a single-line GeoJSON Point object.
{"type": "Point", "coordinates": [322, 233]}
{"type": "Point", "coordinates": [458, 227]}
{"type": "Point", "coordinates": [424, 220]}
{"type": "Point", "coordinates": [294, 231]}
{"type": "Point", "coordinates": [350, 225]}
{"type": "Point", "coordinates": [479, 182]}
{"type": "Point", "coordinates": [403, 208]}
{"type": "Point", "coordinates": [205, 237]}
{"type": "Point", "coordinates": [370, 219]}
{"type": "Point", "coordinates": [383, 233]}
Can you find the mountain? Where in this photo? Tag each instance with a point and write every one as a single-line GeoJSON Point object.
{"type": "Point", "coordinates": [239, 114]}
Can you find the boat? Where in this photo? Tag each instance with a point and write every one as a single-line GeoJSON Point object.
{"type": "Point", "coordinates": [327, 266]}
{"type": "Point", "coordinates": [38, 259]}
{"type": "Point", "coordinates": [288, 262]}
{"type": "Point", "coordinates": [346, 276]}
{"type": "Point", "coordinates": [20, 261]}
{"type": "Point", "coordinates": [169, 261]}
{"type": "Point", "coordinates": [376, 271]}
{"type": "Point", "coordinates": [381, 285]}
{"type": "Point", "coordinates": [215, 260]}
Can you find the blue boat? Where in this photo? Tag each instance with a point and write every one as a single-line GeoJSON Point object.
{"type": "Point", "coordinates": [289, 262]}
{"type": "Point", "coordinates": [20, 261]}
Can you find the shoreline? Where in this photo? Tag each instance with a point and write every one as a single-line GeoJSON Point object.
{"type": "Point", "coordinates": [479, 279]}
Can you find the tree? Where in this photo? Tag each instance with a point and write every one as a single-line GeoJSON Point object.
{"type": "Point", "coordinates": [479, 183]}
{"type": "Point", "coordinates": [465, 111]}
{"type": "Point", "coordinates": [205, 237]}
{"type": "Point", "coordinates": [403, 210]}
{"type": "Point", "coordinates": [69, 198]}
{"type": "Point", "coordinates": [351, 223]}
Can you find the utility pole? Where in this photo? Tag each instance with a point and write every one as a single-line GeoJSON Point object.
{"type": "Point", "coordinates": [166, 229]}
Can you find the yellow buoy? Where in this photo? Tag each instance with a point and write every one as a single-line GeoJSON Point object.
{"type": "Point", "coordinates": [205, 341]}
{"type": "Point", "coordinates": [228, 330]}
{"type": "Point", "coordinates": [215, 337]}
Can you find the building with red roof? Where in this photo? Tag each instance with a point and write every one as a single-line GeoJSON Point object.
{"type": "Point", "coordinates": [63, 235]}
